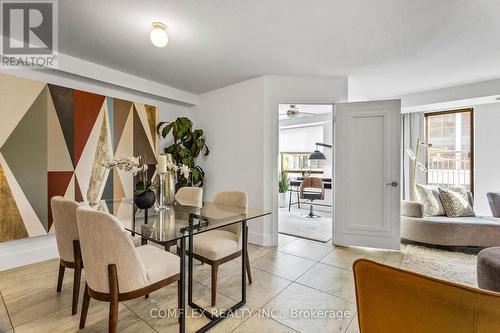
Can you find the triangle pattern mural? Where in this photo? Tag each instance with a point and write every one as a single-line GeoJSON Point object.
{"type": "Point", "coordinates": [25, 152]}
{"type": "Point", "coordinates": [57, 144]}
{"type": "Point", "coordinates": [121, 114]}
{"type": "Point", "coordinates": [63, 101]}
{"type": "Point", "coordinates": [58, 156]}
{"type": "Point", "coordinates": [11, 222]}
{"type": "Point", "coordinates": [58, 182]}
{"type": "Point", "coordinates": [142, 146]}
{"type": "Point", "coordinates": [87, 107]}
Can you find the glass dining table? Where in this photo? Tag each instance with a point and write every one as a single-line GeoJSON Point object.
{"type": "Point", "coordinates": [175, 224]}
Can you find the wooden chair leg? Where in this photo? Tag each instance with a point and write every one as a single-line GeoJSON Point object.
{"type": "Point", "coordinates": [215, 268]}
{"type": "Point", "coordinates": [60, 278]}
{"type": "Point", "coordinates": [85, 307]}
{"type": "Point", "coordinates": [76, 289]}
{"type": "Point", "coordinates": [113, 299]}
{"type": "Point", "coordinates": [179, 295]}
{"type": "Point", "coordinates": [77, 276]}
{"type": "Point", "coordinates": [249, 273]}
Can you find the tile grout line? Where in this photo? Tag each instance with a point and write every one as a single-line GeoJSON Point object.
{"type": "Point", "coordinates": [7, 310]}
{"type": "Point", "coordinates": [350, 322]}
{"type": "Point", "coordinates": [278, 294]}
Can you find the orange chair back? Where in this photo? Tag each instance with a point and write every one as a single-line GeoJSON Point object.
{"type": "Point", "coordinates": [312, 182]}
{"type": "Point", "coordinates": [393, 300]}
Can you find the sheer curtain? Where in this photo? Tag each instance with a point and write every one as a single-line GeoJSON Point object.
{"type": "Point", "coordinates": [412, 127]}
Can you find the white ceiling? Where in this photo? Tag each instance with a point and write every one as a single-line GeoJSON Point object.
{"type": "Point", "coordinates": [388, 47]}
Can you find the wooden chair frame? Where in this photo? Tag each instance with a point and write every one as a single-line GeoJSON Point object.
{"type": "Point", "coordinates": [114, 296]}
{"type": "Point", "coordinates": [77, 265]}
{"type": "Point", "coordinates": [215, 268]}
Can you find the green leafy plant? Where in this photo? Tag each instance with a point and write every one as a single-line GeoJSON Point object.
{"type": "Point", "coordinates": [188, 144]}
{"type": "Point", "coordinates": [283, 183]}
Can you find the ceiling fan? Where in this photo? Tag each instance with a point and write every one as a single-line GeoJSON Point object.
{"type": "Point", "coordinates": [293, 112]}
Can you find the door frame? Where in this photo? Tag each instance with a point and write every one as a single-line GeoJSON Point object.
{"type": "Point", "coordinates": [276, 153]}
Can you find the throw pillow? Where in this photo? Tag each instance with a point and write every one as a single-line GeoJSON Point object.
{"type": "Point", "coordinates": [428, 196]}
{"type": "Point", "coordinates": [456, 202]}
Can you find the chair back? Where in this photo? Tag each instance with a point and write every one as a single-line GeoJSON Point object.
{"type": "Point", "coordinates": [65, 226]}
{"type": "Point", "coordinates": [190, 196]}
{"type": "Point", "coordinates": [104, 241]}
{"type": "Point", "coordinates": [312, 182]}
{"type": "Point", "coordinates": [235, 199]}
{"type": "Point", "coordinates": [393, 300]}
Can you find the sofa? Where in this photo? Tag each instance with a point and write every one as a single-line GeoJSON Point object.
{"type": "Point", "coordinates": [447, 231]}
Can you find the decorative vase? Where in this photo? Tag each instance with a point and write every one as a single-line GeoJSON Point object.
{"type": "Point", "coordinates": [145, 200]}
{"type": "Point", "coordinates": [282, 200]}
{"type": "Point", "coordinates": [169, 186]}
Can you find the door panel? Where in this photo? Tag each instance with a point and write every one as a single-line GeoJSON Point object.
{"type": "Point", "coordinates": [367, 153]}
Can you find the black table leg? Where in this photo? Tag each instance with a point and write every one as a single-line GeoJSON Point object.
{"type": "Point", "coordinates": [244, 230]}
{"type": "Point", "coordinates": [214, 320]}
{"type": "Point", "coordinates": [190, 270]}
{"type": "Point", "coordinates": [290, 198]}
{"type": "Point", "coordinates": [144, 241]}
{"type": "Point", "coordinates": [134, 210]}
{"type": "Point", "coordinates": [298, 198]}
{"type": "Point", "coordinates": [182, 306]}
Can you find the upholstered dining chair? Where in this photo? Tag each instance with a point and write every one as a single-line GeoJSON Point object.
{"type": "Point", "coordinates": [190, 196]}
{"type": "Point", "coordinates": [68, 245]}
{"type": "Point", "coordinates": [392, 300]}
{"type": "Point", "coordinates": [219, 246]}
{"type": "Point", "coordinates": [312, 188]}
{"type": "Point", "coordinates": [115, 270]}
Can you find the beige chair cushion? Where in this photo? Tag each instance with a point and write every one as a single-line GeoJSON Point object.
{"type": "Point", "coordinates": [216, 244]}
{"type": "Point", "coordinates": [104, 241]}
{"type": "Point", "coordinates": [159, 264]}
{"type": "Point", "coordinates": [65, 226]}
{"type": "Point", "coordinates": [190, 196]}
{"type": "Point", "coordinates": [235, 199]}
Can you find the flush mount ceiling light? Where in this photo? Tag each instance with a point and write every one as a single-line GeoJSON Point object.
{"type": "Point", "coordinates": [159, 36]}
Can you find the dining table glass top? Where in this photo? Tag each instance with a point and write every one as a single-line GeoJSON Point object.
{"type": "Point", "coordinates": [175, 221]}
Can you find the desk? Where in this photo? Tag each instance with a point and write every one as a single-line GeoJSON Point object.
{"type": "Point", "coordinates": [295, 188]}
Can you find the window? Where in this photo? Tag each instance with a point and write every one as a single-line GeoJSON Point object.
{"type": "Point", "coordinates": [297, 164]}
{"type": "Point", "coordinates": [450, 160]}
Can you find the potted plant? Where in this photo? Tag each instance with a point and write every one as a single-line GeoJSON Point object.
{"type": "Point", "coordinates": [283, 185]}
{"type": "Point", "coordinates": [144, 196]}
{"type": "Point", "coordinates": [188, 144]}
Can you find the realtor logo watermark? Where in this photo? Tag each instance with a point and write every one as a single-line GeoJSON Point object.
{"type": "Point", "coordinates": [29, 34]}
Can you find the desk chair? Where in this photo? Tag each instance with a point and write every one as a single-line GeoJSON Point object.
{"type": "Point", "coordinates": [312, 189]}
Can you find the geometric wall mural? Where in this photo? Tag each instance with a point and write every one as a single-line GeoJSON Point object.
{"type": "Point", "coordinates": [53, 141]}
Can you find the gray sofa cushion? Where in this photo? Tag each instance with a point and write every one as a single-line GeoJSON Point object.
{"type": "Point", "coordinates": [488, 269]}
{"type": "Point", "coordinates": [494, 201]}
{"type": "Point", "coordinates": [457, 231]}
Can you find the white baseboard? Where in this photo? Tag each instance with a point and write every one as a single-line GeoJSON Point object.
{"type": "Point", "coordinates": [27, 251]}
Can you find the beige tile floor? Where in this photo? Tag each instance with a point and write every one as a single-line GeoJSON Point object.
{"type": "Point", "coordinates": [290, 279]}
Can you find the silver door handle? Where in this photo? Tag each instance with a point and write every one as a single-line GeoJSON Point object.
{"type": "Point", "coordinates": [393, 183]}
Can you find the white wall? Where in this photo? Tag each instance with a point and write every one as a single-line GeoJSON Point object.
{"type": "Point", "coordinates": [241, 124]}
{"type": "Point", "coordinates": [233, 123]}
{"type": "Point", "coordinates": [300, 139]}
{"type": "Point", "coordinates": [29, 250]}
{"type": "Point", "coordinates": [486, 155]}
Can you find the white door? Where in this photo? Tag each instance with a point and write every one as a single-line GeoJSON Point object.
{"type": "Point", "coordinates": [367, 169]}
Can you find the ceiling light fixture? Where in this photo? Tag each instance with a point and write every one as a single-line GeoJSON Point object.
{"type": "Point", "coordinates": [159, 36]}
